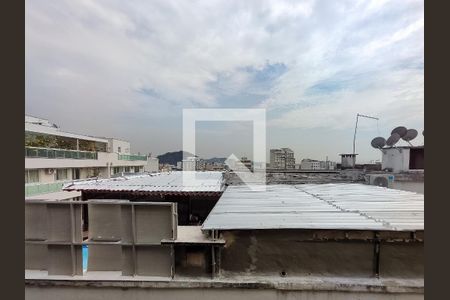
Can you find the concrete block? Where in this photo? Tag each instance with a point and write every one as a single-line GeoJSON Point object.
{"type": "Point", "coordinates": [105, 222]}
{"type": "Point", "coordinates": [78, 230]}
{"type": "Point", "coordinates": [60, 260]}
{"type": "Point", "coordinates": [35, 257]}
{"type": "Point", "coordinates": [153, 223]}
{"type": "Point", "coordinates": [127, 226]}
{"type": "Point", "coordinates": [402, 260]}
{"type": "Point", "coordinates": [154, 260]}
{"type": "Point", "coordinates": [105, 258]}
{"type": "Point", "coordinates": [127, 261]}
{"type": "Point", "coordinates": [59, 223]}
{"type": "Point", "coordinates": [35, 221]}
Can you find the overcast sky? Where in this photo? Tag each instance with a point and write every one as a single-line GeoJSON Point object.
{"type": "Point", "coordinates": [127, 69]}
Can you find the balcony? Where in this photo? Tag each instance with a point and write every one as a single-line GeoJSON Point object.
{"type": "Point", "coordinates": [32, 189]}
{"type": "Point", "coordinates": [132, 157]}
{"type": "Point", "coordinates": [35, 152]}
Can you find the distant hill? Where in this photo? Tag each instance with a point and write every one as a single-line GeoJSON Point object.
{"type": "Point", "coordinates": [216, 160]}
{"type": "Point", "coordinates": [172, 157]}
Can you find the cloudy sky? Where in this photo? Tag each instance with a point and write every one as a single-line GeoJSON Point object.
{"type": "Point", "coordinates": [128, 69]}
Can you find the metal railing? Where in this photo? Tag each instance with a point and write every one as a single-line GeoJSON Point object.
{"type": "Point", "coordinates": [32, 189]}
{"type": "Point", "coordinates": [132, 157]}
{"type": "Point", "coordinates": [37, 152]}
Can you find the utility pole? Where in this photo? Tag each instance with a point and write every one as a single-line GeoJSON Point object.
{"type": "Point", "coordinates": [356, 127]}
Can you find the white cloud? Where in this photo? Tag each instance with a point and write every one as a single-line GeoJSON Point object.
{"type": "Point", "coordinates": [135, 64]}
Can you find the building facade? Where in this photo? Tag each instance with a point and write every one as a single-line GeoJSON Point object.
{"type": "Point", "coordinates": [190, 163]}
{"type": "Point", "coordinates": [282, 158]}
{"type": "Point", "coordinates": [311, 164]}
{"type": "Point", "coordinates": [54, 157]}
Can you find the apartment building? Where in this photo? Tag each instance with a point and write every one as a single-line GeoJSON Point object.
{"type": "Point", "coordinates": [311, 164]}
{"type": "Point", "coordinates": [54, 157]}
{"type": "Point", "coordinates": [190, 163]}
{"type": "Point", "coordinates": [282, 158]}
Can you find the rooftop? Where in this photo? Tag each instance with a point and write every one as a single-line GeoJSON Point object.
{"type": "Point", "coordinates": [342, 206]}
{"type": "Point", "coordinates": [167, 182]}
{"type": "Point", "coordinates": [56, 196]}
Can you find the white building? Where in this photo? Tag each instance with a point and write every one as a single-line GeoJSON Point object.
{"type": "Point", "coordinates": [247, 163]}
{"type": "Point", "coordinates": [54, 157]}
{"type": "Point", "coordinates": [403, 159]}
{"type": "Point", "coordinates": [190, 163]}
{"type": "Point", "coordinates": [282, 158]}
{"type": "Point", "coordinates": [311, 164]}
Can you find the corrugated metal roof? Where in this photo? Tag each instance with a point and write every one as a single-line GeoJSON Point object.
{"type": "Point", "coordinates": [170, 182]}
{"type": "Point", "coordinates": [317, 206]}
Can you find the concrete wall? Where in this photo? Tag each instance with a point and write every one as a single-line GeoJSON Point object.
{"type": "Point", "coordinates": [396, 159]}
{"type": "Point", "coordinates": [411, 186]}
{"type": "Point", "coordinates": [284, 253]}
{"type": "Point", "coordinates": [348, 161]}
{"type": "Point", "coordinates": [114, 144]}
{"type": "Point", "coordinates": [58, 292]}
{"type": "Point", "coordinates": [46, 178]}
{"type": "Point", "coordinates": [152, 165]}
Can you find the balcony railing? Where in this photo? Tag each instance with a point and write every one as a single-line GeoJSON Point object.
{"type": "Point", "coordinates": [132, 157]}
{"type": "Point", "coordinates": [59, 153]}
{"type": "Point", "coordinates": [32, 189]}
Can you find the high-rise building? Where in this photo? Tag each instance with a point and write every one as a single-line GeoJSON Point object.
{"type": "Point", "coordinates": [282, 158]}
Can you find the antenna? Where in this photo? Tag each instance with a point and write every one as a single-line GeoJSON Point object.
{"type": "Point", "coordinates": [356, 127]}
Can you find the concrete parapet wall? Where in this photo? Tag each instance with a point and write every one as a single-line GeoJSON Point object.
{"type": "Point", "coordinates": [284, 253]}
{"type": "Point", "coordinates": [137, 289]}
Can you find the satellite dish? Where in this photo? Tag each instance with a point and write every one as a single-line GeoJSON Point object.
{"type": "Point", "coordinates": [393, 139]}
{"type": "Point", "coordinates": [378, 142]}
{"type": "Point", "coordinates": [410, 135]}
{"type": "Point", "coordinates": [401, 130]}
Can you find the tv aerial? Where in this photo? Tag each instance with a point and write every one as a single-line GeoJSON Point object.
{"type": "Point", "coordinates": [356, 127]}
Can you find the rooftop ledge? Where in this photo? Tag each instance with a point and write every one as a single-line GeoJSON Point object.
{"type": "Point", "coordinates": [340, 284]}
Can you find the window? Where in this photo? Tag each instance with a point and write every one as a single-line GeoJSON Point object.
{"type": "Point", "coordinates": [116, 170]}
{"type": "Point", "coordinates": [119, 149]}
{"type": "Point", "coordinates": [31, 176]}
{"type": "Point", "coordinates": [127, 169]}
{"type": "Point", "coordinates": [136, 169]}
{"type": "Point", "coordinates": [75, 173]}
{"type": "Point", "coordinates": [61, 174]}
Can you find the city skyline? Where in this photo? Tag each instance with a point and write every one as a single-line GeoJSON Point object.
{"type": "Point", "coordinates": [128, 69]}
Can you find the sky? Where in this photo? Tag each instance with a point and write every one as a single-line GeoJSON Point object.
{"type": "Point", "coordinates": [127, 69]}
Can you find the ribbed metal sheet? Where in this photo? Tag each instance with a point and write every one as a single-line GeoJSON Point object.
{"type": "Point", "coordinates": [318, 206]}
{"type": "Point", "coordinates": [159, 182]}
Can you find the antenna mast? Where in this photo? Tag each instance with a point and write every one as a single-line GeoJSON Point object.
{"type": "Point", "coordinates": [356, 127]}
